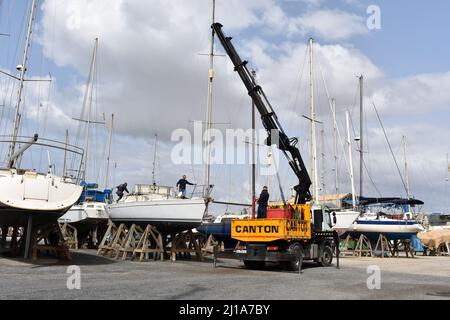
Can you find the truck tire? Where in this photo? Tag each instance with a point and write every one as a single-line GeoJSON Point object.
{"type": "Point", "coordinates": [294, 265]}
{"type": "Point", "coordinates": [254, 265]}
{"type": "Point", "coordinates": [326, 258]}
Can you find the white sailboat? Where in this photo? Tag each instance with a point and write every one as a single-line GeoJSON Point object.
{"type": "Point", "coordinates": [159, 206]}
{"type": "Point", "coordinates": [28, 198]}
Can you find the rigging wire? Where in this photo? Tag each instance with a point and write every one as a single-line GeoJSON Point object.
{"type": "Point", "coordinates": [364, 161]}
{"type": "Point", "coordinates": [390, 148]}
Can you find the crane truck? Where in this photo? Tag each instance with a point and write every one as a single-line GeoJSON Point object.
{"type": "Point", "coordinates": [292, 232]}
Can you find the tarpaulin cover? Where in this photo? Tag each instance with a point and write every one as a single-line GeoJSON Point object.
{"type": "Point", "coordinates": [434, 238]}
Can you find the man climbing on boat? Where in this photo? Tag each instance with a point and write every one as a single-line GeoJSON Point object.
{"type": "Point", "coordinates": [121, 189]}
{"type": "Point", "coordinates": [181, 185]}
{"type": "Point", "coordinates": [263, 202]}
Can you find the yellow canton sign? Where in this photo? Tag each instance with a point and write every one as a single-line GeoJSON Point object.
{"type": "Point", "coordinates": [266, 230]}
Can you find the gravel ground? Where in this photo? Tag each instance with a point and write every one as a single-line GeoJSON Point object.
{"type": "Point", "coordinates": [104, 278]}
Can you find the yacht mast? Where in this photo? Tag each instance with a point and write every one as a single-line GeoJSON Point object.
{"type": "Point", "coordinates": [209, 108]}
{"type": "Point", "coordinates": [23, 69]}
{"type": "Point", "coordinates": [349, 145]}
{"type": "Point", "coordinates": [315, 184]}
{"type": "Point", "coordinates": [90, 89]}
{"type": "Point", "coordinates": [111, 129]}
{"type": "Point", "coordinates": [408, 193]}
{"type": "Point", "coordinates": [335, 147]}
{"type": "Point", "coordinates": [361, 134]}
{"type": "Point", "coordinates": [322, 151]}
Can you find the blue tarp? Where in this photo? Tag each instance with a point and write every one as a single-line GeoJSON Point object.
{"type": "Point", "coordinates": [91, 194]}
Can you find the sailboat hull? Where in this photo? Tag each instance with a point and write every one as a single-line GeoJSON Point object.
{"type": "Point", "coordinates": [344, 221]}
{"type": "Point", "coordinates": [390, 228]}
{"type": "Point", "coordinates": [44, 197]}
{"type": "Point", "coordinates": [89, 213]}
{"type": "Point", "coordinates": [167, 215]}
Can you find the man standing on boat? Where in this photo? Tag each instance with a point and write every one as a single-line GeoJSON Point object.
{"type": "Point", "coordinates": [181, 185]}
{"type": "Point", "coordinates": [263, 202]}
{"type": "Point", "coordinates": [121, 189]}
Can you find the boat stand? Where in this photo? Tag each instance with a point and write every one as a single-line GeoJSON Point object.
{"type": "Point", "coordinates": [384, 246]}
{"type": "Point", "coordinates": [363, 247]}
{"type": "Point", "coordinates": [70, 235]}
{"type": "Point", "coordinates": [407, 248]}
{"type": "Point", "coordinates": [212, 245]}
{"type": "Point", "coordinates": [151, 242]}
{"type": "Point", "coordinates": [113, 240]}
{"type": "Point", "coordinates": [345, 249]}
{"type": "Point", "coordinates": [133, 236]}
{"type": "Point", "coordinates": [183, 244]}
{"type": "Point", "coordinates": [123, 243]}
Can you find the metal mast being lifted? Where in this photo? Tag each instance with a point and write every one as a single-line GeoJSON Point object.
{"type": "Point", "coordinates": [275, 132]}
{"type": "Point", "coordinates": [315, 184]}
{"type": "Point", "coordinates": [108, 158]}
{"type": "Point", "coordinates": [209, 109]}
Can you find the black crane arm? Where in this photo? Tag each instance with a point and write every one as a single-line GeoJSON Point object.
{"type": "Point", "coordinates": [276, 134]}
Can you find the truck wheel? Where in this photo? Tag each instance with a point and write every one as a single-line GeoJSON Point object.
{"type": "Point", "coordinates": [327, 257]}
{"type": "Point", "coordinates": [294, 265]}
{"type": "Point", "coordinates": [254, 265]}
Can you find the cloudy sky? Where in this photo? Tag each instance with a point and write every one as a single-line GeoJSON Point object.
{"type": "Point", "coordinates": [152, 75]}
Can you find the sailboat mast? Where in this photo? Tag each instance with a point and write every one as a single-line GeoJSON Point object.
{"type": "Point", "coordinates": [349, 145]}
{"type": "Point", "coordinates": [335, 148]}
{"type": "Point", "coordinates": [210, 107]}
{"type": "Point", "coordinates": [322, 148]}
{"type": "Point", "coordinates": [361, 135]}
{"type": "Point", "coordinates": [408, 193]}
{"type": "Point", "coordinates": [90, 89]}
{"type": "Point", "coordinates": [154, 160]}
{"type": "Point", "coordinates": [111, 129]}
{"type": "Point", "coordinates": [313, 124]}
{"type": "Point", "coordinates": [23, 70]}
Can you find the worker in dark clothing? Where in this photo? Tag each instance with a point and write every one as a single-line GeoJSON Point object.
{"type": "Point", "coordinates": [181, 185]}
{"type": "Point", "coordinates": [263, 201]}
{"type": "Point", "coordinates": [121, 189]}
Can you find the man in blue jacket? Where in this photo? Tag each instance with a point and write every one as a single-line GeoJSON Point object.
{"type": "Point", "coordinates": [181, 185]}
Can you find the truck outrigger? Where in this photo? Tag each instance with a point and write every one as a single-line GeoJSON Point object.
{"type": "Point", "coordinates": [305, 230]}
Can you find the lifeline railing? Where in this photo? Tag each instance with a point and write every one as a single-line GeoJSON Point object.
{"type": "Point", "coordinates": [67, 148]}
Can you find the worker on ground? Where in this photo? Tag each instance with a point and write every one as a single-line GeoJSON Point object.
{"type": "Point", "coordinates": [181, 185]}
{"type": "Point", "coordinates": [263, 202]}
{"type": "Point", "coordinates": [121, 189]}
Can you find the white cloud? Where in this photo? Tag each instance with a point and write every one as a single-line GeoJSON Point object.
{"type": "Point", "coordinates": [414, 95]}
{"type": "Point", "coordinates": [331, 24]}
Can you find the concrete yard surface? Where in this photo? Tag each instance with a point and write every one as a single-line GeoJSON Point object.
{"type": "Point", "coordinates": [104, 278]}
